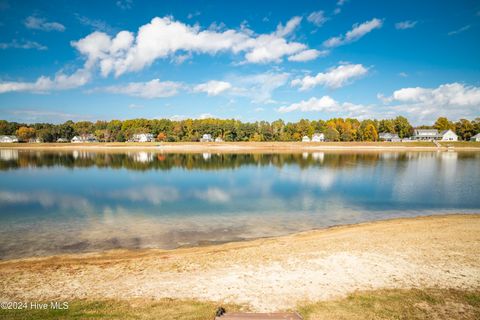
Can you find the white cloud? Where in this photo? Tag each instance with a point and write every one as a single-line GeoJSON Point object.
{"type": "Point", "coordinates": [213, 87]}
{"type": "Point", "coordinates": [403, 74]}
{"type": "Point", "coordinates": [462, 29]}
{"type": "Point", "coordinates": [328, 104]}
{"type": "Point", "coordinates": [205, 116]}
{"type": "Point", "coordinates": [405, 25]}
{"type": "Point", "coordinates": [124, 4]}
{"type": "Point", "coordinates": [23, 44]}
{"type": "Point", "coordinates": [61, 81]}
{"type": "Point", "coordinates": [307, 55]}
{"type": "Point", "coordinates": [454, 100]}
{"type": "Point", "coordinates": [149, 90]}
{"type": "Point", "coordinates": [357, 32]}
{"type": "Point", "coordinates": [164, 37]}
{"type": "Point", "coordinates": [291, 25]}
{"type": "Point", "coordinates": [317, 18]}
{"type": "Point", "coordinates": [333, 78]}
{"type": "Point", "coordinates": [96, 25]}
{"type": "Point", "coordinates": [259, 87]}
{"type": "Point", "coordinates": [38, 23]}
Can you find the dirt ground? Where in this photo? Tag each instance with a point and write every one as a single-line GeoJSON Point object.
{"type": "Point", "coordinates": [266, 274]}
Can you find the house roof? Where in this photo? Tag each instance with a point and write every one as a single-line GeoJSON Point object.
{"type": "Point", "coordinates": [477, 135]}
{"type": "Point", "coordinates": [426, 130]}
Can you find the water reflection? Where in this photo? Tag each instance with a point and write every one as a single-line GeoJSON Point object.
{"type": "Point", "coordinates": [54, 202]}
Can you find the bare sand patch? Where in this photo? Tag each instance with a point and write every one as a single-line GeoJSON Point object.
{"type": "Point", "coordinates": [267, 274]}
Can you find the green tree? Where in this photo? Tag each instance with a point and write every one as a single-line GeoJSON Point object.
{"type": "Point", "coordinates": [331, 134]}
{"type": "Point", "coordinates": [443, 123]}
{"type": "Point", "coordinates": [402, 127]}
{"type": "Point", "coordinates": [464, 129]}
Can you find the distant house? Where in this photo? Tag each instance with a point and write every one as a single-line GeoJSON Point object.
{"type": "Point", "coordinates": [62, 140]}
{"type": "Point", "coordinates": [425, 134]}
{"type": "Point", "coordinates": [35, 140]}
{"type": "Point", "coordinates": [475, 138]}
{"type": "Point", "coordinates": [218, 139]}
{"type": "Point", "coordinates": [143, 137]}
{"type": "Point", "coordinates": [318, 137]}
{"type": "Point", "coordinates": [448, 135]}
{"type": "Point", "coordinates": [387, 136]}
{"type": "Point", "coordinates": [87, 138]}
{"type": "Point", "coordinates": [305, 139]}
{"type": "Point", "coordinates": [206, 138]}
{"type": "Point", "coordinates": [8, 139]}
{"type": "Point", "coordinates": [434, 134]}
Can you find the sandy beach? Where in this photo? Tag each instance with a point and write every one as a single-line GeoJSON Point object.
{"type": "Point", "coordinates": [266, 274]}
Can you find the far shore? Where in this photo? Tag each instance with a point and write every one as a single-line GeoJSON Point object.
{"type": "Point", "coordinates": [239, 147]}
{"type": "Point", "coordinates": [269, 274]}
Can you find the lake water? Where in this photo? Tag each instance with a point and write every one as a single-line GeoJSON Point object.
{"type": "Point", "coordinates": [76, 201]}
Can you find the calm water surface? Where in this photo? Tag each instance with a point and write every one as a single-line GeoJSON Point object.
{"type": "Point", "coordinates": [72, 201]}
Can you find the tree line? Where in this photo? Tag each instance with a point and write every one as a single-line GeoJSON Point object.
{"type": "Point", "coordinates": [335, 129]}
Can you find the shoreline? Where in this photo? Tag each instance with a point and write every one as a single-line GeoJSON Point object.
{"type": "Point", "coordinates": [421, 252]}
{"type": "Point", "coordinates": [252, 147]}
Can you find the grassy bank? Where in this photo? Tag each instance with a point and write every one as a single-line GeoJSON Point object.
{"type": "Point", "coordinates": [380, 304]}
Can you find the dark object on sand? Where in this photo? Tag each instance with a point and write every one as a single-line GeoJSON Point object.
{"type": "Point", "coordinates": [220, 312]}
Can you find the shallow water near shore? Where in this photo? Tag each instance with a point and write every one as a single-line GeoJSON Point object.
{"type": "Point", "coordinates": [55, 202]}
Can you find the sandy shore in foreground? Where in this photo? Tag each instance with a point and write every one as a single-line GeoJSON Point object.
{"type": "Point", "coordinates": [238, 147]}
{"type": "Point", "coordinates": [266, 274]}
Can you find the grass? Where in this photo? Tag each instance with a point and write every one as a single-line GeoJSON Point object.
{"type": "Point", "coordinates": [379, 304]}
{"type": "Point", "coordinates": [460, 144]}
{"type": "Point", "coordinates": [398, 304]}
{"type": "Point", "coordinates": [170, 309]}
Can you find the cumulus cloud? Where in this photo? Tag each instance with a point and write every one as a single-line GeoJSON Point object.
{"type": "Point", "coordinates": [405, 25]}
{"type": "Point", "coordinates": [165, 37]}
{"type": "Point", "coordinates": [334, 78]}
{"type": "Point", "coordinates": [43, 84]}
{"type": "Point", "coordinates": [328, 104]}
{"type": "Point", "coordinates": [259, 87]}
{"type": "Point", "coordinates": [213, 87]}
{"type": "Point", "coordinates": [22, 44]}
{"type": "Point", "coordinates": [307, 55]}
{"type": "Point", "coordinates": [38, 23]}
{"type": "Point", "coordinates": [317, 18]}
{"type": "Point", "coordinates": [148, 90]}
{"type": "Point", "coordinates": [454, 100]}
{"type": "Point", "coordinates": [357, 32]}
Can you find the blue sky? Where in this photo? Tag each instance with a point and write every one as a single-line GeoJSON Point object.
{"type": "Point", "coordinates": [250, 60]}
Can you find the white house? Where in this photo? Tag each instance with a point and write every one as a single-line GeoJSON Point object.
{"type": "Point", "coordinates": [387, 136]}
{"type": "Point", "coordinates": [425, 134]}
{"type": "Point", "coordinates": [305, 139]}
{"type": "Point", "coordinates": [143, 137]}
{"type": "Point", "coordinates": [84, 139]}
{"type": "Point", "coordinates": [448, 135]}
{"type": "Point", "coordinates": [433, 134]}
{"type": "Point", "coordinates": [218, 139]}
{"type": "Point", "coordinates": [62, 140]}
{"type": "Point", "coordinates": [8, 139]}
{"type": "Point", "coordinates": [475, 138]}
{"type": "Point", "coordinates": [318, 137]}
{"type": "Point", "coordinates": [206, 138]}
